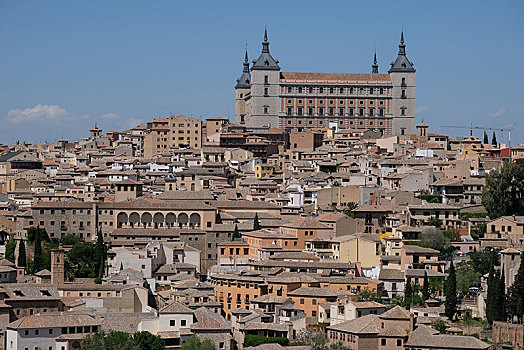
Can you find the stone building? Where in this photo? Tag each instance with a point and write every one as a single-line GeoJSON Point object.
{"type": "Point", "coordinates": [267, 97]}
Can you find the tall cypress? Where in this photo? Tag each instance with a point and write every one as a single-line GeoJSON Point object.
{"type": "Point", "coordinates": [516, 292]}
{"type": "Point", "coordinates": [100, 254]}
{"type": "Point", "coordinates": [491, 291]}
{"type": "Point", "coordinates": [500, 298]}
{"type": "Point", "coordinates": [408, 295]}
{"type": "Point", "coordinates": [22, 261]}
{"type": "Point", "coordinates": [37, 266]}
{"type": "Point", "coordinates": [486, 140]}
{"type": "Point", "coordinates": [236, 234]}
{"type": "Point", "coordinates": [425, 287]}
{"type": "Point", "coordinates": [451, 293]}
{"type": "Point", "coordinates": [256, 224]}
{"type": "Point", "coordinates": [494, 139]}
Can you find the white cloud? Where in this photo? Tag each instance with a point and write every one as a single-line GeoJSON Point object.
{"type": "Point", "coordinates": [498, 113]}
{"type": "Point", "coordinates": [109, 116]}
{"type": "Point", "coordinates": [421, 110]}
{"type": "Point", "coordinates": [37, 113]}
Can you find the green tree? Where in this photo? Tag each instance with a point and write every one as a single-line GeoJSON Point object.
{"type": "Point", "coordinates": [408, 295]}
{"type": "Point", "coordinates": [21, 254]}
{"type": "Point", "coordinates": [434, 221]}
{"type": "Point", "coordinates": [236, 234]}
{"type": "Point", "coordinates": [10, 248]}
{"type": "Point", "coordinates": [256, 224]}
{"type": "Point", "coordinates": [503, 192]}
{"type": "Point", "coordinates": [148, 341]}
{"type": "Point", "coordinates": [37, 254]}
{"type": "Point", "coordinates": [490, 300]}
{"type": "Point", "coordinates": [434, 238]}
{"type": "Point", "coordinates": [368, 294]}
{"type": "Point", "coordinates": [82, 258]}
{"type": "Point", "coordinates": [109, 341]}
{"type": "Point", "coordinates": [500, 298]}
{"type": "Point", "coordinates": [486, 140]}
{"type": "Point", "coordinates": [453, 235]}
{"type": "Point", "coordinates": [494, 139]}
{"type": "Point", "coordinates": [100, 251]}
{"type": "Point", "coordinates": [194, 343]}
{"type": "Point", "coordinates": [516, 293]}
{"type": "Point", "coordinates": [70, 240]}
{"type": "Point", "coordinates": [425, 287]}
{"type": "Point", "coordinates": [451, 293]}
{"type": "Point", "coordinates": [466, 276]}
{"type": "Point", "coordinates": [439, 326]}
{"type": "Point", "coordinates": [349, 209]}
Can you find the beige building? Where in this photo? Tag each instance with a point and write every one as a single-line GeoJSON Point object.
{"type": "Point", "coordinates": [176, 132]}
{"type": "Point", "coordinates": [365, 248]}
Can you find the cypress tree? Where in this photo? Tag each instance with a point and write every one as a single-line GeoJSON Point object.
{"type": "Point", "coordinates": [37, 266]}
{"type": "Point", "coordinates": [21, 254]}
{"type": "Point", "coordinates": [425, 287]}
{"type": "Point", "coordinates": [500, 298]}
{"type": "Point", "coordinates": [491, 291]}
{"type": "Point", "coordinates": [451, 293]}
{"type": "Point", "coordinates": [486, 140]}
{"type": "Point", "coordinates": [100, 254]}
{"type": "Point", "coordinates": [494, 139]}
{"type": "Point", "coordinates": [10, 248]}
{"type": "Point", "coordinates": [236, 234]}
{"type": "Point", "coordinates": [256, 224]}
{"type": "Point", "coordinates": [408, 295]}
{"type": "Point", "coordinates": [516, 292]}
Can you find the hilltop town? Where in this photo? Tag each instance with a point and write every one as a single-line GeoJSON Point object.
{"type": "Point", "coordinates": [322, 217]}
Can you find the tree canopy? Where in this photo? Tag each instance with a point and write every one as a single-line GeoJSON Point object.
{"type": "Point", "coordinates": [503, 192]}
{"type": "Point", "coordinates": [123, 341]}
{"type": "Point", "coordinates": [194, 343]}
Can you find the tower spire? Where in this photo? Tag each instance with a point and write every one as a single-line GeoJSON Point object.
{"type": "Point", "coordinates": [402, 46]}
{"type": "Point", "coordinates": [374, 66]}
{"type": "Point", "coordinates": [246, 63]}
{"type": "Point", "coordinates": [265, 43]}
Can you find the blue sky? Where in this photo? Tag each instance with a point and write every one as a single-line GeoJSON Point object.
{"type": "Point", "coordinates": [66, 64]}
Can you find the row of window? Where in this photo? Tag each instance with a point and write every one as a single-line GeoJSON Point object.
{"type": "Point", "coordinates": [331, 111]}
{"type": "Point", "coordinates": [333, 90]}
{"type": "Point", "coordinates": [341, 122]}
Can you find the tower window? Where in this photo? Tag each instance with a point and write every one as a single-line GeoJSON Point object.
{"type": "Point", "coordinates": [289, 90]}
{"type": "Point", "coordinates": [266, 109]}
{"type": "Point", "coordinates": [321, 90]}
{"type": "Point", "coordinates": [266, 91]}
{"type": "Point", "coordinates": [381, 91]}
{"type": "Point", "coordinates": [350, 90]}
{"type": "Point", "coordinates": [361, 91]}
{"type": "Point", "coordinates": [403, 111]}
{"type": "Point", "coordinates": [266, 79]}
{"type": "Point", "coordinates": [330, 90]}
{"type": "Point", "coordinates": [310, 90]}
{"type": "Point", "coordinates": [371, 91]}
{"type": "Point", "coordinates": [403, 94]}
{"type": "Point", "coordinates": [300, 90]}
{"type": "Point", "coordinates": [341, 90]}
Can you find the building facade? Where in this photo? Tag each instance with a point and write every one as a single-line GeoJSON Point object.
{"type": "Point", "coordinates": [267, 97]}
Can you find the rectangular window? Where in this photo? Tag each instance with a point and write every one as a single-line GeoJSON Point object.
{"type": "Point", "coordinates": [381, 112]}
{"type": "Point", "coordinates": [289, 111]}
{"type": "Point", "coordinates": [172, 323]}
{"type": "Point", "coordinates": [183, 323]}
{"type": "Point", "coordinates": [310, 111]}
{"type": "Point", "coordinates": [299, 110]}
{"type": "Point", "coordinates": [341, 111]}
{"type": "Point", "coordinates": [300, 90]}
{"type": "Point", "coordinates": [321, 111]}
{"type": "Point", "coordinates": [331, 111]}
{"type": "Point", "coordinates": [351, 112]}
{"type": "Point", "coordinates": [361, 111]}
{"type": "Point", "coordinates": [371, 112]}
{"type": "Point", "coordinates": [266, 110]}
{"type": "Point", "coordinates": [266, 79]}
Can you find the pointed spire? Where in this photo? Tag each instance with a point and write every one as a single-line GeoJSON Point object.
{"type": "Point", "coordinates": [402, 46]}
{"type": "Point", "coordinates": [246, 63]}
{"type": "Point", "coordinates": [265, 43]}
{"type": "Point", "coordinates": [374, 66]}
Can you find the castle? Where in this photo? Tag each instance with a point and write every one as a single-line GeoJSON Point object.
{"type": "Point", "coordinates": [267, 97]}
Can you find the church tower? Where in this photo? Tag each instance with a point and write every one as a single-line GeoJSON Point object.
{"type": "Point", "coordinates": [242, 90]}
{"type": "Point", "coordinates": [402, 76]}
{"type": "Point", "coordinates": [57, 266]}
{"type": "Point", "coordinates": [265, 90]}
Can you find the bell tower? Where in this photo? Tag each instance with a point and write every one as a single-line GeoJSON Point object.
{"type": "Point", "coordinates": [57, 266]}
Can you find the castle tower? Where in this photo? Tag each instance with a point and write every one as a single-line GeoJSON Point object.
{"type": "Point", "coordinates": [265, 90]}
{"type": "Point", "coordinates": [402, 76]}
{"type": "Point", "coordinates": [57, 266]}
{"type": "Point", "coordinates": [242, 89]}
{"type": "Point", "coordinates": [374, 66]}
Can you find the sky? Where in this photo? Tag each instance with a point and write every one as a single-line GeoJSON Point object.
{"type": "Point", "coordinates": [65, 65]}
